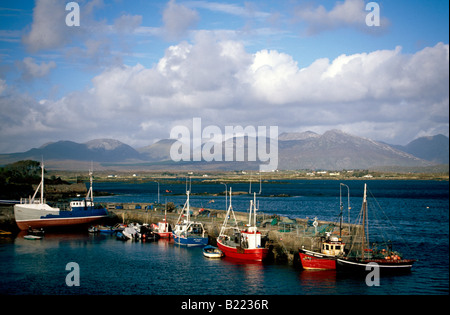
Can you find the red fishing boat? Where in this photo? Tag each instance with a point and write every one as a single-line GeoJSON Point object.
{"type": "Point", "coordinates": [331, 248]}
{"type": "Point", "coordinates": [243, 244]}
{"type": "Point", "coordinates": [163, 228]}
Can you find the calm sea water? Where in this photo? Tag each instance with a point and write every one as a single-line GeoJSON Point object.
{"type": "Point", "coordinates": [418, 209]}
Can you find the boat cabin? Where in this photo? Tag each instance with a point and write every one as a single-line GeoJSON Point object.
{"type": "Point", "coordinates": [189, 228]}
{"type": "Point", "coordinates": [163, 226]}
{"type": "Point", "coordinates": [333, 246]}
{"type": "Point", "coordinates": [251, 238]}
{"type": "Point", "coordinates": [81, 204]}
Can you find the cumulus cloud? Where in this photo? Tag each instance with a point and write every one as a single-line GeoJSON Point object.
{"type": "Point", "coordinates": [385, 94]}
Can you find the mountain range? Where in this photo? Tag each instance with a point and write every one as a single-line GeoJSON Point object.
{"type": "Point", "coordinates": [333, 150]}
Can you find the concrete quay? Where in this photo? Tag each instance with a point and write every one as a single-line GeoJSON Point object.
{"type": "Point", "coordinates": [283, 235]}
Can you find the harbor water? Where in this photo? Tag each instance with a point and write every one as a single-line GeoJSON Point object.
{"type": "Point", "coordinates": [419, 211]}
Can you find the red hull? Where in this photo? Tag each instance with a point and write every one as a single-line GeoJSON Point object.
{"type": "Point", "coordinates": [316, 262]}
{"type": "Point", "coordinates": [257, 254]}
{"type": "Point", "coordinates": [35, 224]}
{"type": "Point", "coordinates": [164, 234]}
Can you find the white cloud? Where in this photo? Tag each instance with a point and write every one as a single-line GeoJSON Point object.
{"type": "Point", "coordinates": [31, 69]}
{"type": "Point", "coordinates": [385, 94]}
{"type": "Point", "coordinates": [48, 29]}
{"type": "Point", "coordinates": [349, 13]}
{"type": "Point", "coordinates": [178, 19]}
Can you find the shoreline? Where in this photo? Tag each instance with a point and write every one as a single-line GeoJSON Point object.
{"type": "Point", "coordinates": [244, 176]}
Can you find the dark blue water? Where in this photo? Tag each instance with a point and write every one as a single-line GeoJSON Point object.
{"type": "Point", "coordinates": [418, 209]}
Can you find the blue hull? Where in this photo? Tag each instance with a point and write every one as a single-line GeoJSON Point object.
{"type": "Point", "coordinates": [190, 241]}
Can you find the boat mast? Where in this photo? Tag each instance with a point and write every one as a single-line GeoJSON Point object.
{"type": "Point", "coordinates": [254, 210]}
{"type": "Point", "coordinates": [40, 186]}
{"type": "Point", "coordinates": [42, 183]}
{"type": "Point", "coordinates": [364, 219]}
{"type": "Point", "coordinates": [90, 195]}
{"type": "Point", "coordinates": [188, 208]}
{"type": "Point", "coordinates": [227, 215]}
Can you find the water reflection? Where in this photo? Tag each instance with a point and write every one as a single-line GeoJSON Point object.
{"type": "Point", "coordinates": [250, 274]}
{"type": "Point", "coordinates": [314, 281]}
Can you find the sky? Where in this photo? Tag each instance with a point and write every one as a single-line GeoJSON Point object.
{"type": "Point", "coordinates": [133, 70]}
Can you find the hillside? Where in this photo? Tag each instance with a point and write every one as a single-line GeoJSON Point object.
{"type": "Point", "coordinates": [333, 150]}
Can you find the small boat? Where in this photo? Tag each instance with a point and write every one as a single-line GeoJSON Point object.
{"type": "Point", "coordinates": [130, 232]}
{"type": "Point", "coordinates": [93, 229]}
{"type": "Point", "coordinates": [32, 237]}
{"type": "Point", "coordinates": [150, 236]}
{"type": "Point", "coordinates": [331, 248]}
{"type": "Point", "coordinates": [163, 227]}
{"type": "Point", "coordinates": [212, 252]}
{"type": "Point", "coordinates": [121, 237]}
{"type": "Point", "coordinates": [37, 232]}
{"type": "Point", "coordinates": [105, 229]}
{"type": "Point", "coordinates": [242, 244]}
{"type": "Point", "coordinates": [147, 234]}
{"type": "Point", "coordinates": [187, 232]}
{"type": "Point", "coordinates": [361, 256]}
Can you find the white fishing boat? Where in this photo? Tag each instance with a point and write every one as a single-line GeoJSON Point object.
{"type": "Point", "coordinates": [36, 213]}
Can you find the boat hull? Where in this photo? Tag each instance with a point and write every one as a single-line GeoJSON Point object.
{"type": "Point", "coordinates": [256, 254]}
{"type": "Point", "coordinates": [190, 240]}
{"type": "Point", "coordinates": [164, 234]}
{"type": "Point", "coordinates": [212, 252]}
{"type": "Point", "coordinates": [385, 266]}
{"type": "Point", "coordinates": [316, 261]}
{"type": "Point", "coordinates": [44, 216]}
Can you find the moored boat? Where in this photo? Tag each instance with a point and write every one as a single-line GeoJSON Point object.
{"type": "Point", "coordinates": [243, 244]}
{"type": "Point", "coordinates": [32, 237]}
{"type": "Point", "coordinates": [36, 213]}
{"type": "Point", "coordinates": [331, 248]}
{"type": "Point", "coordinates": [362, 257]}
{"type": "Point", "coordinates": [210, 251]}
{"type": "Point", "coordinates": [163, 227]}
{"type": "Point", "coordinates": [188, 232]}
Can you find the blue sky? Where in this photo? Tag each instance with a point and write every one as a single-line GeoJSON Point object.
{"type": "Point", "coordinates": [134, 69]}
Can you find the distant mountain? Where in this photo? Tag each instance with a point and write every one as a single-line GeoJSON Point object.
{"type": "Point", "coordinates": [99, 150]}
{"type": "Point", "coordinates": [297, 136]}
{"type": "Point", "coordinates": [336, 150]}
{"type": "Point", "coordinates": [158, 151]}
{"type": "Point", "coordinates": [333, 150]}
{"type": "Point", "coordinates": [434, 149]}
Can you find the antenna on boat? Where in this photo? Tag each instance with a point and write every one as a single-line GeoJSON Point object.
{"type": "Point", "coordinates": [364, 219]}
{"type": "Point", "coordinates": [40, 186]}
{"type": "Point", "coordinates": [348, 200]}
{"type": "Point", "coordinates": [90, 194]}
